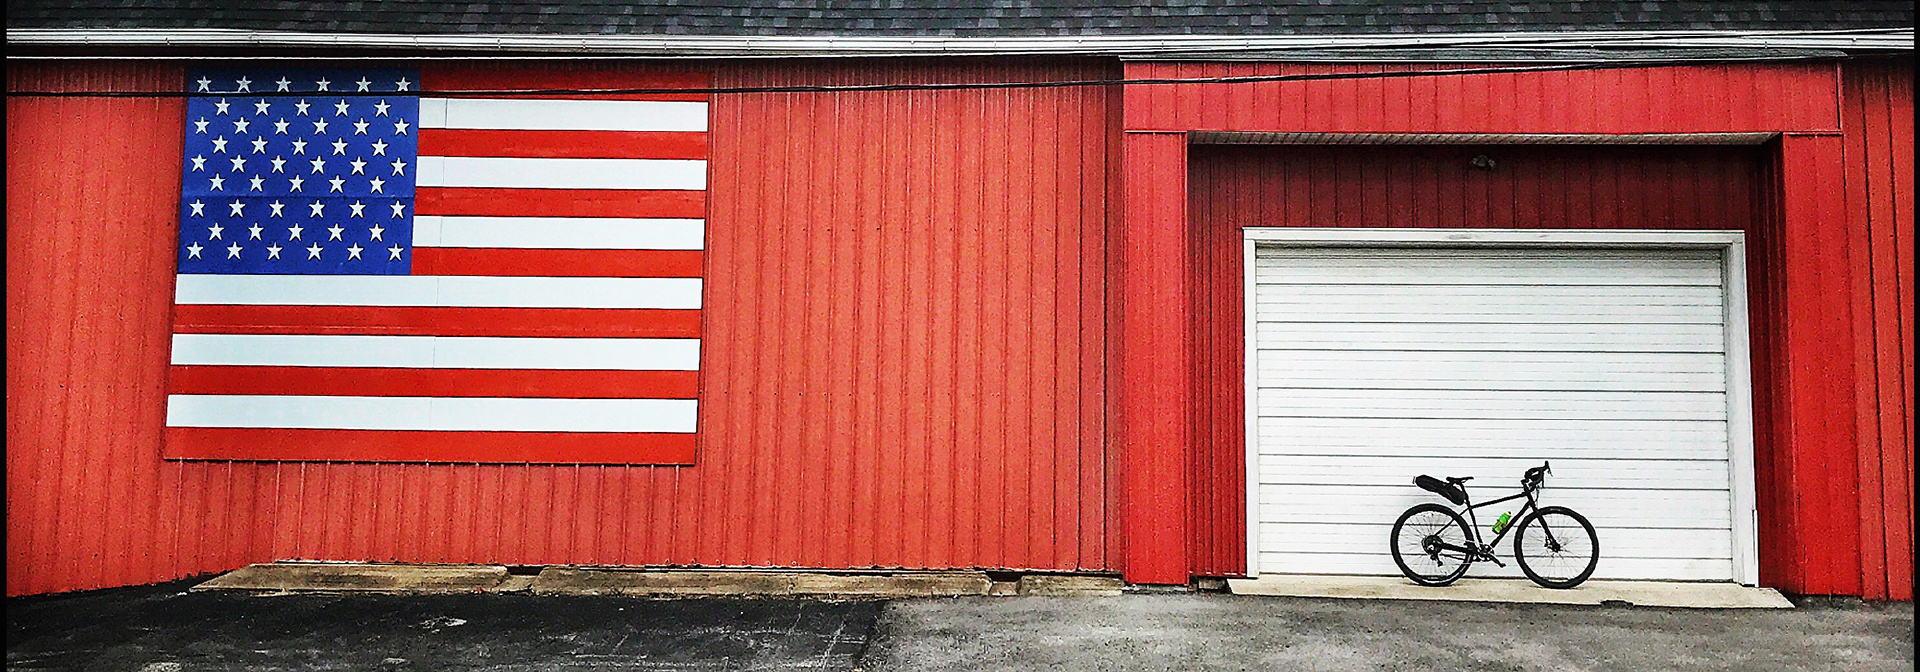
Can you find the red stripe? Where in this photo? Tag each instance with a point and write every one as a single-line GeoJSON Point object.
{"type": "Point", "coordinates": [563, 144]}
{"type": "Point", "coordinates": [476, 202]}
{"type": "Point", "coordinates": [489, 77]}
{"type": "Point", "coordinates": [349, 445]}
{"type": "Point", "coordinates": [436, 321]}
{"type": "Point", "coordinates": [331, 381]}
{"type": "Point", "coordinates": [552, 263]}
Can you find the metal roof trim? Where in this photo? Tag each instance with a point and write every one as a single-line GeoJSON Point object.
{"type": "Point", "coordinates": [1891, 39]}
{"type": "Point", "coordinates": [1268, 138]}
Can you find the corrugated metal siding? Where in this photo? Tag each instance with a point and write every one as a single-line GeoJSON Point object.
{"type": "Point", "coordinates": [1877, 125]}
{"type": "Point", "coordinates": [1417, 186]}
{"type": "Point", "coordinates": [905, 357]}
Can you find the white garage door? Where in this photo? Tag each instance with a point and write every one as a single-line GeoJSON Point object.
{"type": "Point", "coordinates": [1375, 365]}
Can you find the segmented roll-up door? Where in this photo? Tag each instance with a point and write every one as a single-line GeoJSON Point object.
{"type": "Point", "coordinates": [1375, 365]}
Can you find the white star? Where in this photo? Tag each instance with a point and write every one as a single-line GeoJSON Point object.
{"type": "Point", "coordinates": [204, 83]}
{"type": "Point", "coordinates": [399, 209]}
{"type": "Point", "coordinates": [259, 145]}
{"type": "Point", "coordinates": [239, 163]}
{"type": "Point", "coordinates": [238, 208]}
{"type": "Point", "coordinates": [334, 232]}
{"type": "Point", "coordinates": [322, 84]}
{"type": "Point", "coordinates": [376, 231]}
{"type": "Point", "coordinates": [400, 127]}
{"type": "Point", "coordinates": [220, 106]}
{"type": "Point", "coordinates": [199, 208]}
{"type": "Point", "coordinates": [240, 125]}
{"type": "Point", "coordinates": [319, 126]}
{"type": "Point", "coordinates": [339, 146]}
{"type": "Point", "coordinates": [279, 165]}
{"type": "Point", "coordinates": [301, 107]}
{"type": "Point", "coordinates": [233, 251]}
{"type": "Point", "coordinates": [294, 182]}
{"type": "Point", "coordinates": [376, 184]}
{"type": "Point", "coordinates": [299, 146]}
{"type": "Point", "coordinates": [358, 166]}
{"type": "Point", "coordinates": [216, 182]}
{"type": "Point", "coordinates": [313, 251]}
{"type": "Point", "coordinates": [244, 83]}
{"type": "Point", "coordinates": [277, 207]}
{"type": "Point", "coordinates": [380, 109]}
{"type": "Point", "coordinates": [253, 232]}
{"type": "Point", "coordinates": [193, 251]}
{"type": "Point", "coordinates": [293, 232]}
{"type": "Point", "coordinates": [319, 164]}
{"type": "Point", "coordinates": [359, 209]}
{"type": "Point", "coordinates": [214, 231]}
{"type": "Point", "coordinates": [280, 127]}
{"type": "Point", "coordinates": [273, 251]}
{"type": "Point", "coordinates": [199, 162]}
{"type": "Point", "coordinates": [364, 83]}
{"type": "Point", "coordinates": [318, 207]}
{"type": "Point", "coordinates": [394, 252]}
{"type": "Point", "coordinates": [260, 106]}
{"type": "Point", "coordinates": [340, 108]}
{"type": "Point", "coordinates": [379, 148]}
{"type": "Point", "coordinates": [336, 184]}
{"type": "Point", "coordinates": [402, 84]}
{"type": "Point", "coordinates": [283, 83]}
{"type": "Point", "coordinates": [399, 167]}
{"type": "Point", "coordinates": [360, 127]}
{"type": "Point", "coordinates": [220, 144]}
{"type": "Point", "coordinates": [200, 126]}
{"type": "Point", "coordinates": [353, 251]}
{"type": "Point", "coordinates": [257, 182]}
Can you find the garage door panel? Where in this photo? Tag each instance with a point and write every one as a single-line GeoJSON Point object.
{"type": "Point", "coordinates": [1364, 312]}
{"type": "Point", "coordinates": [1496, 476]}
{"type": "Point", "coordinates": [1374, 538]}
{"type": "Point", "coordinates": [1476, 336]}
{"type": "Point", "coordinates": [1376, 266]}
{"type": "Point", "coordinates": [1704, 569]}
{"type": "Point", "coordinates": [1440, 370]}
{"type": "Point", "coordinates": [1490, 404]}
{"type": "Point", "coordinates": [1606, 508]}
{"type": "Point", "coordinates": [1502, 296]}
{"type": "Point", "coordinates": [1678, 440]}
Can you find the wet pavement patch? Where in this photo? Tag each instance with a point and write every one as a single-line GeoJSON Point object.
{"type": "Point", "coordinates": [165, 627]}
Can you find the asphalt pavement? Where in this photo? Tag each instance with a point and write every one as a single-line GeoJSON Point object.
{"type": "Point", "coordinates": [164, 628]}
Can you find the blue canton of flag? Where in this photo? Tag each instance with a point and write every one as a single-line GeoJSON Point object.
{"type": "Point", "coordinates": [299, 171]}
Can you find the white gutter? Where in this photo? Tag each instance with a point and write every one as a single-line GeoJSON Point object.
{"type": "Point", "coordinates": [1892, 39]}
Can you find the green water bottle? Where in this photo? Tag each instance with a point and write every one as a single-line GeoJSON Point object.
{"type": "Point", "coordinates": [1501, 524]}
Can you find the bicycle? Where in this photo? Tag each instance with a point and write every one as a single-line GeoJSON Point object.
{"type": "Point", "coordinates": [1554, 538]}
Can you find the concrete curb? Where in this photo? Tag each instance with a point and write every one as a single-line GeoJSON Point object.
{"type": "Point", "coordinates": [696, 583]}
{"type": "Point", "coordinates": [1625, 593]}
{"type": "Point", "coordinates": [361, 578]}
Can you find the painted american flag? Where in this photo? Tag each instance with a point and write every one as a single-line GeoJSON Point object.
{"type": "Point", "coordinates": [368, 271]}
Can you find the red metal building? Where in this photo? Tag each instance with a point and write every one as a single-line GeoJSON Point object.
{"type": "Point", "coordinates": [983, 300]}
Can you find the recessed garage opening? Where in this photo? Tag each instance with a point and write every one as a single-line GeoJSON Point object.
{"type": "Point", "coordinates": [1372, 364]}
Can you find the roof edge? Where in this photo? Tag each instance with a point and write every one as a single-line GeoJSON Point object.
{"type": "Point", "coordinates": [172, 40]}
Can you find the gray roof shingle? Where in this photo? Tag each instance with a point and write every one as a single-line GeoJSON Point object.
{"type": "Point", "coordinates": [955, 18]}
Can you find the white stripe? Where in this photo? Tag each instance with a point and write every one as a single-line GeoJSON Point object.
{"type": "Point", "coordinates": [431, 290]}
{"type": "Point", "coordinates": [438, 352]}
{"type": "Point", "coordinates": [563, 115]}
{"type": "Point", "coordinates": [572, 233]}
{"type": "Point", "coordinates": [432, 413]}
{"type": "Point", "coordinates": [511, 173]}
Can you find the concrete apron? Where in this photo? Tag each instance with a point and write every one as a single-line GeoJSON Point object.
{"type": "Point", "coordinates": [1639, 593]}
{"type": "Point", "coordinates": [340, 577]}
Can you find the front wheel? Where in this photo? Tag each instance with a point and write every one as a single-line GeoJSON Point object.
{"type": "Point", "coordinates": [1556, 547]}
{"type": "Point", "coordinates": [1426, 542]}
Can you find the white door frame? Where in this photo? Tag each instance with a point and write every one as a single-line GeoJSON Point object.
{"type": "Point", "coordinates": [1733, 254]}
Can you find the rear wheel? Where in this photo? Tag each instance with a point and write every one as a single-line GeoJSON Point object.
{"type": "Point", "coordinates": [1556, 547]}
{"type": "Point", "coordinates": [1417, 542]}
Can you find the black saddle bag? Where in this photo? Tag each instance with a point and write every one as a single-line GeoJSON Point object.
{"type": "Point", "coordinates": [1452, 492]}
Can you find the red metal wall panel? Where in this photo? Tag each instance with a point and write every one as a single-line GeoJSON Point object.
{"type": "Point", "coordinates": [1877, 125]}
{"type": "Point", "coordinates": [1611, 187]}
{"type": "Point", "coordinates": [904, 362]}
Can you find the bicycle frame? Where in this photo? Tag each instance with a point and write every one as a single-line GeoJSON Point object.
{"type": "Point", "coordinates": [1485, 550]}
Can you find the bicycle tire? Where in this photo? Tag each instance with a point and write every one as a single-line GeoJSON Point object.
{"type": "Point", "coordinates": [1447, 526]}
{"type": "Point", "coordinates": [1557, 542]}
